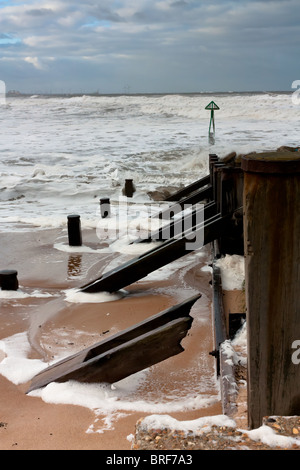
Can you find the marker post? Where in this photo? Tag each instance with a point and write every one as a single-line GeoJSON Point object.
{"type": "Point", "coordinates": [212, 107]}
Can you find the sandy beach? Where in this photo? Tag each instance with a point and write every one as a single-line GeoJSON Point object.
{"type": "Point", "coordinates": [55, 328]}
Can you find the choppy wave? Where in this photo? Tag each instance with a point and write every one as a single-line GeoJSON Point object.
{"type": "Point", "coordinates": [61, 154]}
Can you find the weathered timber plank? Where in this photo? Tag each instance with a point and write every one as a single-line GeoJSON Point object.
{"type": "Point", "coordinates": [219, 315]}
{"type": "Point", "coordinates": [73, 366]}
{"type": "Point", "coordinates": [168, 251]}
{"type": "Point", "coordinates": [228, 382]}
{"type": "Point", "coordinates": [133, 356]}
{"type": "Point", "coordinates": [272, 251]}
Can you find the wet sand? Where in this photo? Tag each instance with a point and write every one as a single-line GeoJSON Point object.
{"type": "Point", "coordinates": [56, 327]}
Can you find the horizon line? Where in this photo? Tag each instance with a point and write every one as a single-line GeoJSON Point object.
{"type": "Point", "coordinates": [97, 93]}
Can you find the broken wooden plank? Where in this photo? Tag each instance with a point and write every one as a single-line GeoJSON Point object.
{"type": "Point", "coordinates": [124, 353]}
{"type": "Point", "coordinates": [133, 356]}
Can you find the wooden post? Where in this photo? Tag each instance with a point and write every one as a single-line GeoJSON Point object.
{"type": "Point", "coordinates": [231, 202]}
{"type": "Point", "coordinates": [213, 158]}
{"type": "Point", "coordinates": [272, 274]}
{"type": "Point", "coordinates": [105, 207]}
{"type": "Point", "coordinates": [129, 188]}
{"type": "Point", "coordinates": [74, 230]}
{"type": "Point", "coordinates": [231, 189]}
{"type": "Point", "coordinates": [8, 279]}
{"type": "Point", "coordinates": [219, 315]}
{"type": "Point", "coordinates": [217, 167]}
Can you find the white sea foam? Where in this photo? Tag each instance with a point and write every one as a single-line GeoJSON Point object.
{"type": "Point", "coordinates": [77, 249]}
{"type": "Point", "coordinates": [108, 401]}
{"type": "Point", "coordinates": [76, 296]}
{"type": "Point", "coordinates": [232, 271]}
{"type": "Point", "coordinates": [69, 152]}
{"type": "Point", "coordinates": [199, 426]}
{"type": "Point", "coordinates": [190, 426]}
{"type": "Point", "coordinates": [23, 294]}
{"type": "Point", "coordinates": [106, 398]}
{"type": "Point", "coordinates": [16, 366]}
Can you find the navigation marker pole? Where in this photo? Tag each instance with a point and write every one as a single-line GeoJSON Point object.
{"type": "Point", "coordinates": [212, 107]}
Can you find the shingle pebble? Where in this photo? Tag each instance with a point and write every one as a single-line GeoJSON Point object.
{"type": "Point", "coordinates": [216, 438]}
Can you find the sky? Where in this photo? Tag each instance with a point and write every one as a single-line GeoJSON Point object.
{"type": "Point", "coordinates": [149, 46]}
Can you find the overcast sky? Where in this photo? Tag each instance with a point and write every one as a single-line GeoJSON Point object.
{"type": "Point", "coordinates": [137, 46]}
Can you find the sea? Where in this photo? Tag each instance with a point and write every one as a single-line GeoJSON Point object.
{"type": "Point", "coordinates": [60, 155]}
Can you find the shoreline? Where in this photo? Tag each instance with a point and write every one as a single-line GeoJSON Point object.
{"type": "Point", "coordinates": [57, 327]}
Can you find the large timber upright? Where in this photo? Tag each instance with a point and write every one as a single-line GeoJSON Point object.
{"type": "Point", "coordinates": [272, 275]}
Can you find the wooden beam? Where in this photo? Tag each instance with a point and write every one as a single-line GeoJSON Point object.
{"type": "Point", "coordinates": [168, 251]}
{"type": "Point", "coordinates": [219, 314]}
{"type": "Point", "coordinates": [228, 382]}
{"type": "Point", "coordinates": [136, 348]}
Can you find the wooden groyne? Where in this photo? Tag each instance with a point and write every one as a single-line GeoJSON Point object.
{"type": "Point", "coordinates": [157, 338]}
{"type": "Point", "coordinates": [250, 207]}
{"type": "Point", "coordinates": [262, 192]}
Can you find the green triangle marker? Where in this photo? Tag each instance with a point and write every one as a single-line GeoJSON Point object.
{"type": "Point", "coordinates": [212, 107]}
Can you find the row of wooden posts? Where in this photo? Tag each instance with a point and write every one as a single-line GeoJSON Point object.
{"type": "Point", "coordinates": [264, 190]}
{"type": "Point", "coordinates": [74, 224]}
{"type": "Point", "coordinates": [9, 277]}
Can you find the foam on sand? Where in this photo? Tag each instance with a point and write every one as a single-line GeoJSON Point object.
{"type": "Point", "coordinates": [113, 400]}
{"type": "Point", "coordinates": [264, 434]}
{"type": "Point", "coordinates": [22, 294]}
{"type": "Point", "coordinates": [76, 296]}
{"type": "Point", "coordinates": [106, 400]}
{"type": "Point", "coordinates": [16, 366]}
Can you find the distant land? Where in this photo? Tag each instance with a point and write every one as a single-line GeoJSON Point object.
{"type": "Point", "coordinates": [16, 93]}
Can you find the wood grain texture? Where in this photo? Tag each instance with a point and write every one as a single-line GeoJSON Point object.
{"type": "Point", "coordinates": [136, 348]}
{"type": "Point", "coordinates": [272, 265]}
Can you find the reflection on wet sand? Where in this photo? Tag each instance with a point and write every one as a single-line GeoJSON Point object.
{"type": "Point", "coordinates": [74, 266]}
